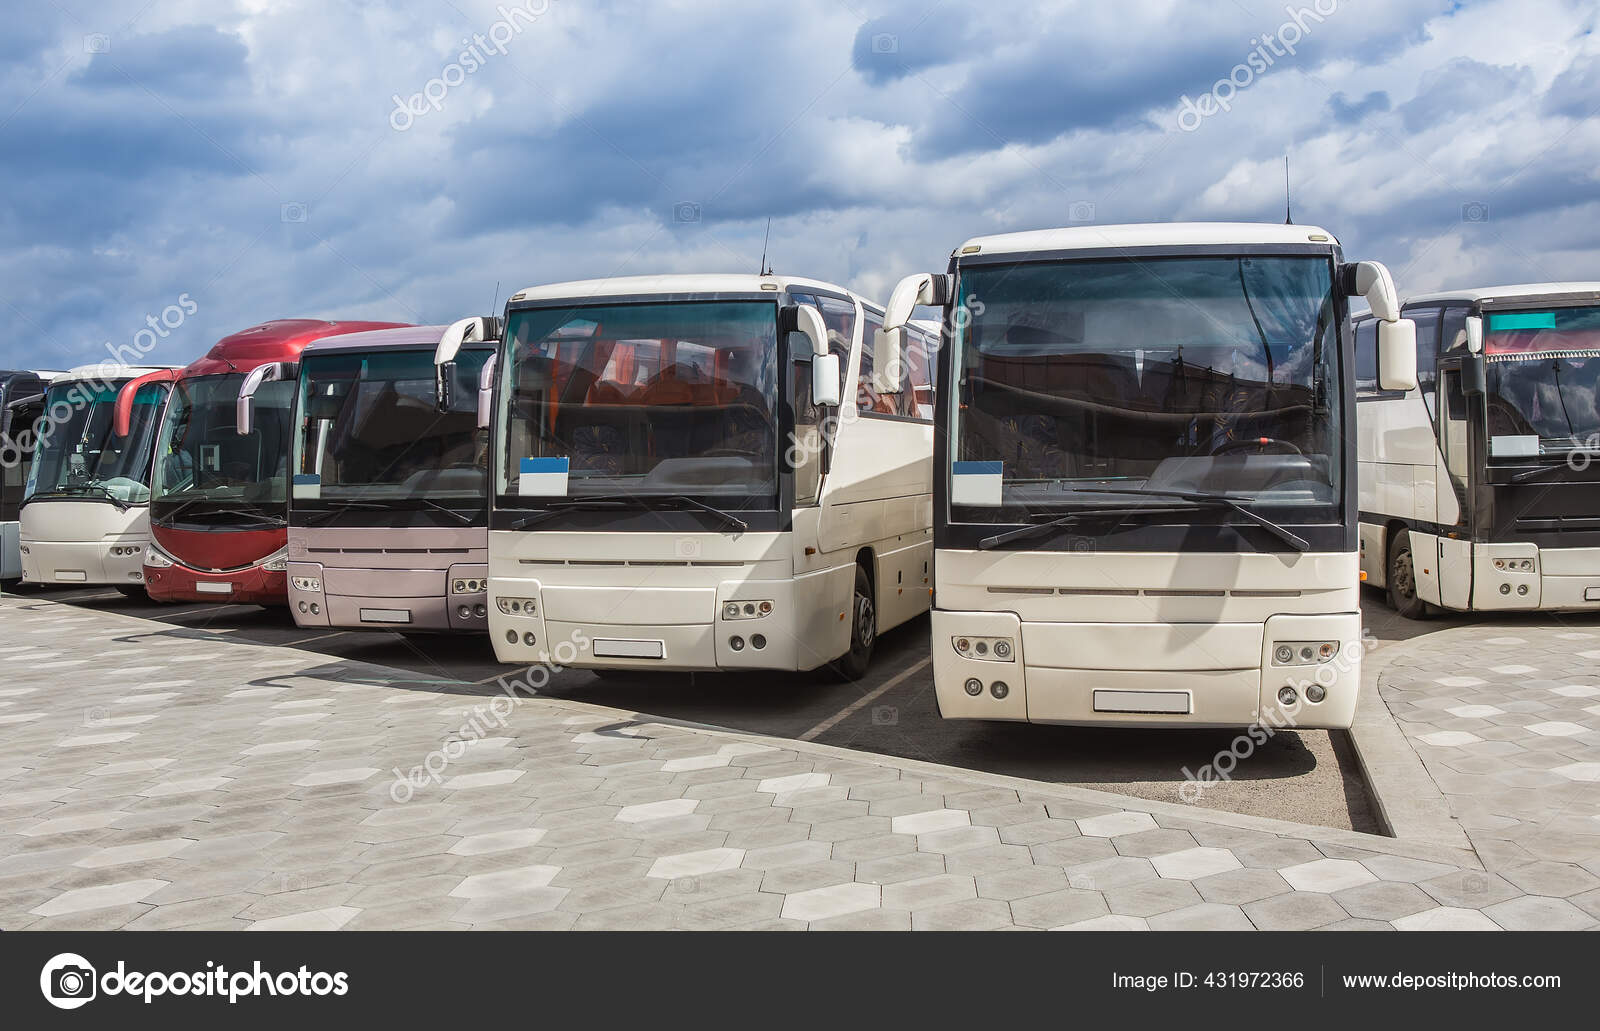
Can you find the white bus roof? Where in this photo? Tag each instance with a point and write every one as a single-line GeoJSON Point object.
{"type": "Point", "coordinates": [1484, 293]}
{"type": "Point", "coordinates": [692, 283]}
{"type": "Point", "coordinates": [108, 371]}
{"type": "Point", "coordinates": [379, 339]}
{"type": "Point", "coordinates": [1148, 234]}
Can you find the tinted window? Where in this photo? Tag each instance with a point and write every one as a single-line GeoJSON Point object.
{"type": "Point", "coordinates": [1451, 327]}
{"type": "Point", "coordinates": [1427, 320]}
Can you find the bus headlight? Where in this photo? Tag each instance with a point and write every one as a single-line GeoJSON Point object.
{"type": "Point", "coordinates": [517, 606]}
{"type": "Point", "coordinates": [746, 609]}
{"type": "Point", "coordinates": [468, 586]}
{"type": "Point", "coordinates": [277, 563]}
{"type": "Point", "coordinates": [1514, 565]}
{"type": "Point", "coordinates": [307, 583]}
{"type": "Point", "coordinates": [1303, 653]}
{"type": "Point", "coordinates": [989, 649]}
{"type": "Point", "coordinates": [156, 560]}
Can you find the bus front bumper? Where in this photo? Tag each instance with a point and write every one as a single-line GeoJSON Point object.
{"type": "Point", "coordinates": [118, 561]}
{"type": "Point", "coordinates": [254, 585]}
{"type": "Point", "coordinates": [1525, 576]}
{"type": "Point", "coordinates": [1148, 674]}
{"type": "Point", "coordinates": [672, 629]}
{"type": "Point", "coordinates": [320, 597]}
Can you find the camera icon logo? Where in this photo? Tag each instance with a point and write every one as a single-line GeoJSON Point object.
{"type": "Point", "coordinates": [293, 212]}
{"type": "Point", "coordinates": [885, 43]}
{"type": "Point", "coordinates": [1474, 211]}
{"type": "Point", "coordinates": [68, 981]}
{"type": "Point", "coordinates": [687, 547]}
{"type": "Point", "coordinates": [97, 43]}
{"type": "Point", "coordinates": [885, 716]}
{"type": "Point", "coordinates": [685, 211]}
{"type": "Point", "coordinates": [1081, 211]}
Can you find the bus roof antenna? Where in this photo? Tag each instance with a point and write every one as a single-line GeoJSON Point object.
{"type": "Point", "coordinates": [765, 270]}
{"type": "Point", "coordinates": [496, 300]}
{"type": "Point", "coordinates": [1288, 216]}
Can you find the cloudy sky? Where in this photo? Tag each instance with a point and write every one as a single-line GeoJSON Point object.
{"type": "Point", "coordinates": [399, 160]}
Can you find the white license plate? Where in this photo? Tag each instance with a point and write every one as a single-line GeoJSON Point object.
{"type": "Point", "coordinates": [213, 587]}
{"type": "Point", "coordinates": [629, 649]}
{"type": "Point", "coordinates": [385, 615]}
{"type": "Point", "coordinates": [1176, 702]}
{"type": "Point", "coordinates": [76, 576]}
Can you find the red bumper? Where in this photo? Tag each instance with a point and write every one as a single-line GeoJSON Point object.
{"type": "Point", "coordinates": [252, 586]}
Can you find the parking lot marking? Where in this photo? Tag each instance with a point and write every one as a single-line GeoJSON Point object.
{"type": "Point", "coordinates": [866, 699]}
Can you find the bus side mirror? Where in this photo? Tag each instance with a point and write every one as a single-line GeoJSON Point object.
{"type": "Point", "coordinates": [1397, 354]}
{"type": "Point", "coordinates": [888, 361]}
{"type": "Point", "coordinates": [486, 392]}
{"type": "Point", "coordinates": [477, 327]}
{"type": "Point", "coordinates": [1475, 334]}
{"type": "Point", "coordinates": [272, 372]}
{"type": "Point", "coordinates": [825, 380]}
{"type": "Point", "coordinates": [925, 288]}
{"type": "Point", "coordinates": [1474, 377]}
{"type": "Point", "coordinates": [804, 319]}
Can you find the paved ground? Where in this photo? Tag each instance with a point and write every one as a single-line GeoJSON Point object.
{"type": "Point", "coordinates": [1307, 776]}
{"type": "Point", "coordinates": [152, 779]}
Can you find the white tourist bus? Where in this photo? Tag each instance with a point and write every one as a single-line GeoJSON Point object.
{"type": "Point", "coordinates": [1479, 487]}
{"type": "Point", "coordinates": [85, 515]}
{"type": "Point", "coordinates": [1145, 497]}
{"type": "Point", "coordinates": [703, 472]}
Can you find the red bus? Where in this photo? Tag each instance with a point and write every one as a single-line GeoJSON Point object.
{"type": "Point", "coordinates": [219, 498]}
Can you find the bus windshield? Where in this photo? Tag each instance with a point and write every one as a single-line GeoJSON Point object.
{"type": "Point", "coordinates": [200, 456]}
{"type": "Point", "coordinates": [76, 455]}
{"type": "Point", "coordinates": [640, 399]}
{"type": "Point", "coordinates": [1542, 379]}
{"type": "Point", "coordinates": [369, 427]}
{"type": "Point", "coordinates": [1214, 375]}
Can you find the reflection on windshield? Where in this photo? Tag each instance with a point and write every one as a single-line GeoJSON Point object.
{"type": "Point", "coordinates": [370, 428]}
{"type": "Point", "coordinates": [1200, 374]}
{"type": "Point", "coordinates": [646, 398]}
{"type": "Point", "coordinates": [1543, 380]}
{"type": "Point", "coordinates": [201, 457]}
{"type": "Point", "coordinates": [77, 456]}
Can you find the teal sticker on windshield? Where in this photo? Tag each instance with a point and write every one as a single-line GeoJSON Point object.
{"type": "Point", "coordinates": [1510, 322]}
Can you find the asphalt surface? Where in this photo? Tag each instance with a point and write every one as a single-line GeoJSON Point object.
{"type": "Point", "coordinates": [1309, 777]}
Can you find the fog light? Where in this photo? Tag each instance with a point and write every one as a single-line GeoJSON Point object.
{"type": "Point", "coordinates": [999, 689]}
{"type": "Point", "coordinates": [758, 641]}
{"type": "Point", "coordinates": [316, 609]}
{"type": "Point", "coordinates": [511, 637]}
{"type": "Point", "coordinates": [1522, 588]}
{"type": "Point", "coordinates": [1505, 588]}
{"type": "Point", "coordinates": [1283, 653]}
{"type": "Point", "coordinates": [1002, 649]}
{"type": "Point", "coordinates": [302, 607]}
{"type": "Point", "coordinates": [480, 611]}
{"type": "Point", "coordinates": [974, 687]}
{"type": "Point", "coordinates": [1316, 692]}
{"type": "Point", "coordinates": [736, 643]}
{"type": "Point", "coordinates": [730, 611]}
{"type": "Point", "coordinates": [1287, 696]}
{"type": "Point", "coordinates": [464, 611]}
{"type": "Point", "coordinates": [529, 640]}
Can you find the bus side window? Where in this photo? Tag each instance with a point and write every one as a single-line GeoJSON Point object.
{"type": "Point", "coordinates": [1367, 357]}
{"type": "Point", "coordinates": [805, 451]}
{"type": "Point", "coordinates": [840, 318]}
{"type": "Point", "coordinates": [1427, 320]}
{"type": "Point", "coordinates": [1452, 329]}
{"type": "Point", "coordinates": [1453, 434]}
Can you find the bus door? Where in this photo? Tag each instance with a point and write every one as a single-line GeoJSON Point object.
{"type": "Point", "coordinates": [1455, 551]}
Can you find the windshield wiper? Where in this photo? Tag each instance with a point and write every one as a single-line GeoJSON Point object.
{"type": "Point", "coordinates": [1200, 497]}
{"type": "Point", "coordinates": [319, 515]}
{"type": "Point", "coordinates": [464, 520]}
{"type": "Point", "coordinates": [68, 489]}
{"type": "Point", "coordinates": [1534, 474]}
{"type": "Point", "coordinates": [259, 513]}
{"type": "Point", "coordinates": [625, 501]}
{"type": "Point", "coordinates": [1036, 529]}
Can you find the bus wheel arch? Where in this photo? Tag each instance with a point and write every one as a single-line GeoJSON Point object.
{"type": "Point", "coordinates": [1400, 578]}
{"type": "Point", "coordinates": [863, 617]}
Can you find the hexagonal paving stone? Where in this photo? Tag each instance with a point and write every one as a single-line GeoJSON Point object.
{"type": "Point", "coordinates": [1205, 916]}
{"type": "Point", "coordinates": [1296, 911]}
{"type": "Point", "coordinates": [1237, 887]}
{"type": "Point", "coordinates": [1115, 922]}
{"type": "Point", "coordinates": [1537, 913]}
{"type": "Point", "coordinates": [693, 864]}
{"type": "Point", "coordinates": [966, 915]}
{"type": "Point", "coordinates": [660, 810]}
{"type": "Point", "coordinates": [1112, 824]}
{"type": "Point", "coordinates": [1194, 863]}
{"type": "Point", "coordinates": [1056, 908]}
{"type": "Point", "coordinates": [505, 882]}
{"type": "Point", "coordinates": [927, 892]}
{"type": "Point", "coordinates": [1327, 875]}
{"type": "Point", "coordinates": [832, 901]}
{"type": "Point", "coordinates": [1448, 738]}
{"type": "Point", "coordinates": [930, 820]}
{"type": "Point", "coordinates": [1446, 918]}
{"type": "Point", "coordinates": [1384, 900]}
{"type": "Point", "coordinates": [1151, 898]}
{"type": "Point", "coordinates": [1558, 880]}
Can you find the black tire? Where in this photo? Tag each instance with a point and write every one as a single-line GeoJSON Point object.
{"type": "Point", "coordinates": [1402, 579]}
{"type": "Point", "coordinates": [853, 665]}
{"type": "Point", "coordinates": [134, 593]}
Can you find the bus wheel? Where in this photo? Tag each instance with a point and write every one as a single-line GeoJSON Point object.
{"type": "Point", "coordinates": [1403, 579]}
{"type": "Point", "coordinates": [863, 630]}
